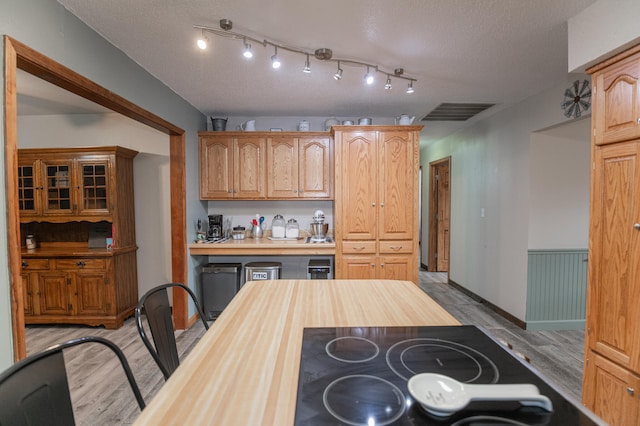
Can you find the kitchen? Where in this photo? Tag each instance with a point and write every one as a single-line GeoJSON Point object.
{"type": "Point", "coordinates": [504, 284]}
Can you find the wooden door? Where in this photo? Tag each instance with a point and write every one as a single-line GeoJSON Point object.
{"type": "Point", "coordinates": [249, 163]}
{"type": "Point", "coordinates": [616, 97]}
{"type": "Point", "coordinates": [315, 162]}
{"type": "Point", "coordinates": [444, 210]}
{"type": "Point", "coordinates": [613, 319]}
{"type": "Point", "coordinates": [359, 185]}
{"type": "Point", "coordinates": [397, 182]}
{"type": "Point", "coordinates": [282, 167]}
{"type": "Point", "coordinates": [54, 292]}
{"type": "Point", "coordinates": [216, 167]}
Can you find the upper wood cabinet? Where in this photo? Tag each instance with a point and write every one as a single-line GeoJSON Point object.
{"type": "Point", "coordinates": [266, 165]}
{"type": "Point", "coordinates": [376, 201]}
{"type": "Point", "coordinates": [61, 185]}
{"type": "Point", "coordinates": [300, 167]}
{"type": "Point", "coordinates": [616, 102]}
{"type": "Point", "coordinates": [232, 165]}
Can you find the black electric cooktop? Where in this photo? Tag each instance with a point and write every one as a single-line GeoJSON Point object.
{"type": "Point", "coordinates": [359, 375]}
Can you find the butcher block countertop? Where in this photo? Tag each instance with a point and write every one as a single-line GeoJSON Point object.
{"type": "Point", "coordinates": [244, 370]}
{"type": "Point", "coordinates": [253, 246]}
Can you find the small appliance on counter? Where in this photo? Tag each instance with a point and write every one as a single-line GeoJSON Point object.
{"type": "Point", "coordinates": [318, 228]}
{"type": "Point", "coordinates": [215, 227]}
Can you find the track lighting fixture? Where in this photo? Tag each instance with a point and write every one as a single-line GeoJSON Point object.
{"type": "Point", "coordinates": [321, 54]}
{"type": "Point", "coordinates": [338, 74]}
{"type": "Point", "coordinates": [275, 61]}
{"type": "Point", "coordinates": [247, 53]}
{"type": "Point", "coordinates": [307, 66]}
{"type": "Point", "coordinates": [410, 87]}
{"type": "Point", "coordinates": [203, 41]}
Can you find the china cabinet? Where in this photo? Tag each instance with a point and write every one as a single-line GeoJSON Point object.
{"type": "Point", "coordinates": [65, 195]}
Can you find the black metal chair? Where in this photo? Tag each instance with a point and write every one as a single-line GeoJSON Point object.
{"type": "Point", "coordinates": [155, 304]}
{"type": "Point", "coordinates": [35, 390]}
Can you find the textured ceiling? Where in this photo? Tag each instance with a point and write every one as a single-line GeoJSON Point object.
{"type": "Point", "coordinates": [487, 51]}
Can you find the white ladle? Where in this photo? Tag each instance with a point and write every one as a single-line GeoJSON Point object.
{"type": "Point", "coordinates": [443, 396]}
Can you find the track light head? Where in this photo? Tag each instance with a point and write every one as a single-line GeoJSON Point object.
{"type": "Point", "coordinates": [410, 87]}
{"type": "Point", "coordinates": [307, 66]}
{"type": "Point", "coordinates": [338, 74]}
{"type": "Point", "coordinates": [247, 52]}
{"type": "Point", "coordinates": [275, 61]}
{"type": "Point", "coordinates": [368, 77]}
{"type": "Point", "coordinates": [388, 86]}
{"type": "Point", "coordinates": [203, 41]}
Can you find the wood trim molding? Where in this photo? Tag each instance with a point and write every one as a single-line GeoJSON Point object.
{"type": "Point", "coordinates": [18, 55]}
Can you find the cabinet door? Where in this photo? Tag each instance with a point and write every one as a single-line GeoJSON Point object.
{"type": "Point", "coordinates": [398, 179]}
{"type": "Point", "coordinates": [617, 102]}
{"type": "Point", "coordinates": [55, 293]}
{"type": "Point", "coordinates": [610, 391]}
{"type": "Point", "coordinates": [357, 267]}
{"type": "Point", "coordinates": [282, 167]}
{"type": "Point", "coordinates": [613, 320]}
{"type": "Point", "coordinates": [315, 167]}
{"type": "Point", "coordinates": [398, 267]}
{"type": "Point", "coordinates": [359, 185]}
{"type": "Point", "coordinates": [92, 293]}
{"type": "Point", "coordinates": [94, 182]}
{"type": "Point", "coordinates": [216, 168]}
{"type": "Point", "coordinates": [29, 188]}
{"type": "Point", "coordinates": [27, 293]}
{"type": "Point", "coordinates": [249, 168]}
{"type": "Point", "coordinates": [59, 197]}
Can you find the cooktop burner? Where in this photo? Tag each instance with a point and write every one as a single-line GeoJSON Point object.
{"type": "Point", "coordinates": [359, 375]}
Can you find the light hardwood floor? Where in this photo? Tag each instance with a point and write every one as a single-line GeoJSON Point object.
{"type": "Point", "coordinates": [101, 395]}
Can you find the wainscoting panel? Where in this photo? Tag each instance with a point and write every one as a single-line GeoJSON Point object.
{"type": "Point", "coordinates": [556, 289]}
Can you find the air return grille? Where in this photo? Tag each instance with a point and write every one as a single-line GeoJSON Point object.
{"type": "Point", "coordinates": [455, 111]}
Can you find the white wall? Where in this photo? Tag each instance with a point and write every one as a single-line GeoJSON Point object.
{"type": "Point", "coordinates": [47, 27]}
{"type": "Point", "coordinates": [600, 31]}
{"type": "Point", "coordinates": [490, 170]}
{"type": "Point", "coordinates": [559, 187]}
{"type": "Point", "coordinates": [151, 176]}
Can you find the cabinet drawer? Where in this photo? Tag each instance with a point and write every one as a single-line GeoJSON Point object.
{"type": "Point", "coordinates": [33, 264]}
{"type": "Point", "coordinates": [79, 263]}
{"type": "Point", "coordinates": [358, 247]}
{"type": "Point", "coordinates": [396, 246]}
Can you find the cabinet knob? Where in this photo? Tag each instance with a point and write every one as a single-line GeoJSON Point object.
{"type": "Point", "coordinates": [381, 204]}
{"type": "Point", "coordinates": [636, 226]}
{"type": "Point", "coordinates": [25, 263]}
{"type": "Point", "coordinates": [638, 120]}
{"type": "Point", "coordinates": [382, 265]}
{"type": "Point", "coordinates": [373, 204]}
{"type": "Point", "coordinates": [373, 265]}
{"type": "Point", "coordinates": [80, 264]}
{"type": "Point", "coordinates": [630, 391]}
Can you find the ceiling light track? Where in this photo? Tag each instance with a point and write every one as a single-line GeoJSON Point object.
{"type": "Point", "coordinates": [321, 54]}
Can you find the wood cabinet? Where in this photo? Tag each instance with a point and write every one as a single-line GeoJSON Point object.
{"type": "Point", "coordinates": [300, 166]}
{"type": "Point", "coordinates": [376, 203]}
{"type": "Point", "coordinates": [612, 344]}
{"type": "Point", "coordinates": [265, 165]}
{"type": "Point", "coordinates": [63, 185]}
{"type": "Point", "coordinates": [232, 165]}
{"type": "Point", "coordinates": [616, 96]}
{"type": "Point", "coordinates": [64, 195]}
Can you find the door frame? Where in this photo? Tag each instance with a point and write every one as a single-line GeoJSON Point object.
{"type": "Point", "coordinates": [432, 264]}
{"type": "Point", "coordinates": [20, 56]}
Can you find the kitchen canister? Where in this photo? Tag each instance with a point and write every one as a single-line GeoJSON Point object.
{"type": "Point", "coordinates": [278, 227]}
{"type": "Point", "coordinates": [30, 242]}
{"type": "Point", "coordinates": [293, 229]}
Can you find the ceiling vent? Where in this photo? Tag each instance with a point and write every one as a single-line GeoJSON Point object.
{"type": "Point", "coordinates": [449, 111]}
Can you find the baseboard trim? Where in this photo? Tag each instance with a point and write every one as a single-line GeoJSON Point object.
{"type": "Point", "coordinates": [556, 325]}
{"type": "Point", "coordinates": [496, 309]}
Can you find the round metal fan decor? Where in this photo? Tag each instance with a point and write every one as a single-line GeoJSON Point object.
{"type": "Point", "coordinates": [577, 99]}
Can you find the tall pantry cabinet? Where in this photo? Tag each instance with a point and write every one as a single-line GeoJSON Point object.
{"type": "Point", "coordinates": [376, 204]}
{"type": "Point", "coordinates": [611, 382]}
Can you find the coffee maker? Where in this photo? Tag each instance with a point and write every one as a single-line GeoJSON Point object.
{"type": "Point", "coordinates": [215, 227]}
